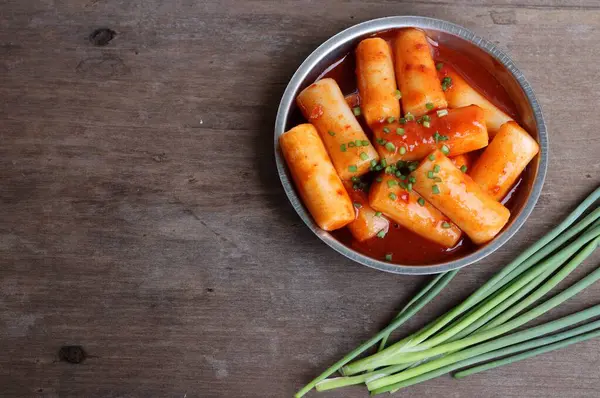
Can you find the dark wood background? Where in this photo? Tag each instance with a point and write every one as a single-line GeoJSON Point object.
{"type": "Point", "coordinates": [141, 216]}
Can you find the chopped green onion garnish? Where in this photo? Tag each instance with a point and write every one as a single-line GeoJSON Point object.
{"type": "Point", "coordinates": [352, 169]}
{"type": "Point", "coordinates": [412, 179]}
{"type": "Point", "coordinates": [380, 141]}
{"type": "Point", "coordinates": [409, 186]}
{"type": "Point", "coordinates": [356, 186]}
{"type": "Point", "coordinates": [402, 150]}
{"type": "Point", "coordinates": [365, 143]}
{"type": "Point", "coordinates": [377, 214]}
{"type": "Point", "coordinates": [357, 205]}
{"type": "Point", "coordinates": [400, 164]}
{"type": "Point", "coordinates": [390, 147]}
{"type": "Point", "coordinates": [343, 147]}
{"type": "Point", "coordinates": [402, 120]}
{"type": "Point", "coordinates": [426, 118]}
{"type": "Point", "coordinates": [399, 174]}
{"type": "Point", "coordinates": [421, 201]}
{"type": "Point", "coordinates": [391, 183]}
{"type": "Point", "coordinates": [446, 83]}
{"type": "Point", "coordinates": [402, 184]}
{"type": "Point", "coordinates": [355, 179]}
{"type": "Point", "coordinates": [445, 150]}
{"type": "Point", "coordinates": [373, 163]}
{"type": "Point", "coordinates": [437, 179]}
{"type": "Point", "coordinates": [426, 124]}
{"type": "Point", "coordinates": [364, 156]}
{"type": "Point", "coordinates": [379, 179]}
{"type": "Point", "coordinates": [409, 117]}
{"type": "Point", "coordinates": [392, 196]}
{"type": "Point", "coordinates": [446, 225]}
{"type": "Point", "coordinates": [381, 234]}
{"type": "Point", "coordinates": [442, 112]}
{"type": "Point", "coordinates": [463, 168]}
{"type": "Point", "coordinates": [378, 168]}
{"type": "Point", "coordinates": [400, 131]}
{"type": "Point", "coordinates": [356, 111]}
{"type": "Point", "coordinates": [388, 170]}
{"type": "Point", "coordinates": [386, 130]}
{"type": "Point", "coordinates": [398, 94]}
{"type": "Point", "coordinates": [331, 133]}
{"type": "Point", "coordinates": [358, 143]}
{"type": "Point", "coordinates": [431, 157]}
{"type": "Point", "coordinates": [436, 168]}
{"type": "Point", "coordinates": [429, 106]}
{"type": "Point", "coordinates": [383, 162]}
{"type": "Point", "coordinates": [435, 189]}
{"type": "Point", "coordinates": [412, 166]}
{"type": "Point", "coordinates": [388, 257]}
{"type": "Point", "coordinates": [391, 119]}
{"type": "Point", "coordinates": [430, 174]}
{"type": "Point", "coordinates": [351, 144]}
{"type": "Point", "coordinates": [439, 65]}
{"type": "Point", "coordinates": [402, 177]}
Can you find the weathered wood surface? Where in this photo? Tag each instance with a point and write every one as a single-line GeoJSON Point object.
{"type": "Point", "coordinates": [141, 216]}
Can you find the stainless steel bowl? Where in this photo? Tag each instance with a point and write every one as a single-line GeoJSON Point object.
{"type": "Point", "coordinates": [464, 41]}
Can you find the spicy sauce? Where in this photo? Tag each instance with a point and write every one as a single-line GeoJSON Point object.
{"type": "Point", "coordinates": [407, 247]}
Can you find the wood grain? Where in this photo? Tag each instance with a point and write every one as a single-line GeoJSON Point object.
{"type": "Point", "coordinates": [141, 216]}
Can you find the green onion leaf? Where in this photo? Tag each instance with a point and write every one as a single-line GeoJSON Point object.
{"type": "Point", "coordinates": [352, 169]}
{"type": "Point", "coordinates": [390, 147]}
{"type": "Point", "coordinates": [386, 130]}
{"type": "Point", "coordinates": [364, 156]}
{"type": "Point", "coordinates": [397, 94]}
{"type": "Point", "coordinates": [402, 150]}
{"type": "Point", "coordinates": [343, 147]}
{"type": "Point", "coordinates": [463, 168]}
{"type": "Point", "coordinates": [435, 189]}
{"type": "Point", "coordinates": [357, 205]}
{"type": "Point", "coordinates": [402, 120]}
{"type": "Point", "coordinates": [421, 201]}
{"type": "Point", "coordinates": [356, 111]}
{"type": "Point", "coordinates": [446, 225]}
{"type": "Point", "coordinates": [365, 143]}
{"type": "Point", "coordinates": [391, 183]}
{"type": "Point", "coordinates": [388, 257]}
{"type": "Point", "coordinates": [412, 179]}
{"type": "Point", "coordinates": [392, 196]}
{"type": "Point", "coordinates": [439, 65]}
{"type": "Point", "coordinates": [409, 117]}
{"type": "Point", "coordinates": [426, 124]}
{"type": "Point", "coordinates": [383, 162]}
{"type": "Point", "coordinates": [430, 174]}
{"type": "Point", "coordinates": [436, 168]}
{"type": "Point", "coordinates": [429, 106]}
{"type": "Point", "coordinates": [400, 131]}
{"type": "Point", "coordinates": [431, 157]}
{"type": "Point", "coordinates": [377, 214]}
{"type": "Point", "coordinates": [381, 234]}
{"type": "Point", "coordinates": [445, 150]}
{"type": "Point", "coordinates": [355, 179]}
{"type": "Point", "coordinates": [391, 119]}
{"type": "Point", "coordinates": [351, 144]}
{"type": "Point", "coordinates": [331, 133]}
{"type": "Point", "coordinates": [409, 187]}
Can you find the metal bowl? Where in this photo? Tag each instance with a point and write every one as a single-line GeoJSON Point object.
{"type": "Point", "coordinates": [457, 38]}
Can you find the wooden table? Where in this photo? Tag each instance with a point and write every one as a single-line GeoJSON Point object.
{"type": "Point", "coordinates": [141, 216]}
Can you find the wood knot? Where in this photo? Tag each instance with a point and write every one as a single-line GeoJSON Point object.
{"type": "Point", "coordinates": [101, 37]}
{"type": "Point", "coordinates": [72, 354]}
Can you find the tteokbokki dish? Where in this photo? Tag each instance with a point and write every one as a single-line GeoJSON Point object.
{"type": "Point", "coordinates": [408, 152]}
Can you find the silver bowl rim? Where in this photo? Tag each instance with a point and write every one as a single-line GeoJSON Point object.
{"type": "Point", "coordinates": [395, 22]}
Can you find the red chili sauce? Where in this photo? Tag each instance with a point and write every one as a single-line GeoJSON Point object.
{"type": "Point", "coordinates": [406, 246]}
